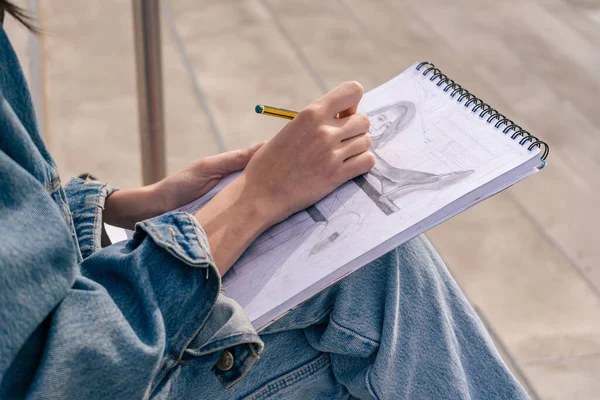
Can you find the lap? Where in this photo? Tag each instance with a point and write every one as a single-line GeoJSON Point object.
{"type": "Point", "coordinates": [359, 300]}
{"type": "Point", "coordinates": [399, 326]}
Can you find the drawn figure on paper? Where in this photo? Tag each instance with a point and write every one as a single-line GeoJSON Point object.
{"type": "Point", "coordinates": [335, 228]}
{"type": "Point", "coordinates": [387, 123]}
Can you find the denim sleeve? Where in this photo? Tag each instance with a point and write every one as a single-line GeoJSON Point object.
{"type": "Point", "coordinates": [129, 317]}
{"type": "Point", "coordinates": [38, 265]}
{"type": "Point", "coordinates": [174, 241]}
{"type": "Point", "coordinates": [117, 324]}
{"type": "Point", "coordinates": [86, 202]}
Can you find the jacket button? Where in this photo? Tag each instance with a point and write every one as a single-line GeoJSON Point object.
{"type": "Point", "coordinates": [225, 363]}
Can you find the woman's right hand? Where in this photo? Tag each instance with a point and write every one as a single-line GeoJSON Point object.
{"type": "Point", "coordinates": [323, 147]}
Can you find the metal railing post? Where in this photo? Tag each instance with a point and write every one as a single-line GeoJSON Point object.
{"type": "Point", "coordinates": [148, 61]}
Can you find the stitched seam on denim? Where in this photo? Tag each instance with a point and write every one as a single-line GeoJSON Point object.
{"type": "Point", "coordinates": [176, 246]}
{"type": "Point", "coordinates": [173, 249]}
{"type": "Point", "coordinates": [94, 225]}
{"type": "Point", "coordinates": [93, 236]}
{"type": "Point", "coordinates": [191, 330]}
{"type": "Point", "coordinates": [199, 232]}
{"type": "Point", "coordinates": [164, 369]}
{"type": "Point", "coordinates": [172, 232]}
{"type": "Point", "coordinates": [186, 336]}
{"type": "Point", "coordinates": [245, 338]}
{"type": "Point", "coordinates": [354, 333]}
{"type": "Point", "coordinates": [53, 186]}
{"type": "Point", "coordinates": [72, 227]}
{"type": "Point", "coordinates": [160, 375]}
{"type": "Point", "coordinates": [162, 372]}
{"type": "Point", "coordinates": [368, 384]}
{"type": "Point", "coordinates": [291, 378]}
{"type": "Point", "coordinates": [173, 350]}
{"type": "Point", "coordinates": [90, 231]}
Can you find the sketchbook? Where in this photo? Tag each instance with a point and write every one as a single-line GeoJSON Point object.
{"type": "Point", "coordinates": [439, 149]}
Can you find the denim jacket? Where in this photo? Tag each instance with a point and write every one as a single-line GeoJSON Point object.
{"type": "Point", "coordinates": [80, 321]}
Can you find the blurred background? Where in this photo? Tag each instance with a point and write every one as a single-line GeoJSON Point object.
{"type": "Point", "coordinates": [524, 258]}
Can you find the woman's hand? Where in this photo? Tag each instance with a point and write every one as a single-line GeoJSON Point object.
{"type": "Point", "coordinates": [126, 207]}
{"type": "Point", "coordinates": [324, 146]}
{"type": "Point", "coordinates": [200, 176]}
{"type": "Point", "coordinates": [312, 155]}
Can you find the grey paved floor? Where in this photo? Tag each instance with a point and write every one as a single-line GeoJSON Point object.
{"type": "Point", "coordinates": [526, 258]}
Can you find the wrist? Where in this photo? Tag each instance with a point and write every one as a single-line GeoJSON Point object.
{"type": "Point", "coordinates": [244, 208]}
{"type": "Point", "coordinates": [124, 208]}
{"type": "Point", "coordinates": [232, 220]}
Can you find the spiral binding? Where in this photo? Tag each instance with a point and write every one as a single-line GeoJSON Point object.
{"type": "Point", "coordinates": [478, 104]}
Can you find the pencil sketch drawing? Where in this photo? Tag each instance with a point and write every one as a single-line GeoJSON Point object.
{"type": "Point", "coordinates": [318, 233]}
{"type": "Point", "coordinates": [387, 123]}
{"type": "Point", "coordinates": [429, 153]}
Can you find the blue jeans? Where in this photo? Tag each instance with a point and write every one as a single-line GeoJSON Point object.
{"type": "Point", "coordinates": [399, 328]}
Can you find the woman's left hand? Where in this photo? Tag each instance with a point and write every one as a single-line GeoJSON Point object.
{"type": "Point", "coordinates": [124, 208]}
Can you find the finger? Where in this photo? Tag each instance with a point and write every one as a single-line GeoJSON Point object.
{"type": "Point", "coordinates": [359, 164]}
{"type": "Point", "coordinates": [342, 98]}
{"type": "Point", "coordinates": [353, 125]}
{"type": "Point", "coordinates": [349, 111]}
{"type": "Point", "coordinates": [231, 161]}
{"type": "Point", "coordinates": [356, 145]}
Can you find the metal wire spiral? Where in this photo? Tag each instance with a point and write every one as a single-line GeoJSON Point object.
{"type": "Point", "coordinates": [478, 105]}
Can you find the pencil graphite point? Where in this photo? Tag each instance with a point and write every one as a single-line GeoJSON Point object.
{"type": "Point", "coordinates": [259, 109]}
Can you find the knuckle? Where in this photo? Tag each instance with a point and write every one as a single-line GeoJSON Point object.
{"type": "Point", "coordinates": [338, 154]}
{"type": "Point", "coordinates": [368, 141]}
{"type": "Point", "coordinates": [311, 111]}
{"type": "Point", "coordinates": [332, 158]}
{"type": "Point", "coordinates": [323, 135]}
{"type": "Point", "coordinates": [325, 131]}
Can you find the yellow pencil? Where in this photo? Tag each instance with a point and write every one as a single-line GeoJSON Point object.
{"type": "Point", "coordinates": [275, 112]}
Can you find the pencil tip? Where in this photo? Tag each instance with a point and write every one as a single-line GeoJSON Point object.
{"type": "Point", "coordinates": [259, 109]}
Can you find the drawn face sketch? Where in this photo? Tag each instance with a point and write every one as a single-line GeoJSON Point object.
{"type": "Point", "coordinates": [388, 121]}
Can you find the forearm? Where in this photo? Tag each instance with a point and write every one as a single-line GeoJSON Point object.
{"type": "Point", "coordinates": [124, 208]}
{"type": "Point", "coordinates": [232, 220]}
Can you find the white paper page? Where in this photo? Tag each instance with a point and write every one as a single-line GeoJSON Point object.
{"type": "Point", "coordinates": [430, 152]}
{"type": "Point", "coordinates": [432, 134]}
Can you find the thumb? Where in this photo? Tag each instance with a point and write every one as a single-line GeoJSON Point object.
{"type": "Point", "coordinates": [234, 160]}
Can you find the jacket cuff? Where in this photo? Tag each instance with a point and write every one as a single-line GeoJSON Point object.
{"type": "Point", "coordinates": [226, 327]}
{"type": "Point", "coordinates": [86, 202]}
{"type": "Point", "coordinates": [180, 235]}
